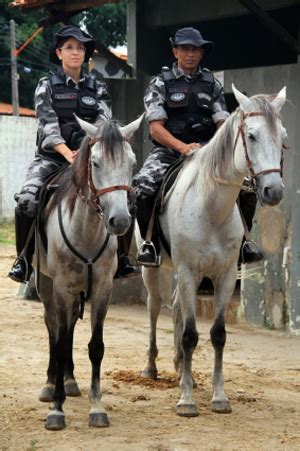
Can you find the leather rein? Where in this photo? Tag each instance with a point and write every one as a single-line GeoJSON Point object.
{"type": "Point", "coordinates": [251, 171]}
{"type": "Point", "coordinates": [95, 203]}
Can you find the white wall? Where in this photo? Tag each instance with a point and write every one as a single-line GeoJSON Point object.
{"type": "Point", "coordinates": [17, 149]}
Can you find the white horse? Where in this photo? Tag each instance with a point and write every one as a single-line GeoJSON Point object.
{"type": "Point", "coordinates": [79, 261]}
{"type": "Point", "coordinates": [203, 227]}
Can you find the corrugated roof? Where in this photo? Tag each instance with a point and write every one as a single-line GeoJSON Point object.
{"type": "Point", "coordinates": [7, 109]}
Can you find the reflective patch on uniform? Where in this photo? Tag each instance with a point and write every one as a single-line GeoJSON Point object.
{"type": "Point", "coordinates": [88, 100]}
{"type": "Point", "coordinates": [177, 96]}
{"type": "Point", "coordinates": [202, 95]}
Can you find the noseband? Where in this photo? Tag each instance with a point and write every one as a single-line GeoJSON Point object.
{"type": "Point", "coordinates": [251, 171]}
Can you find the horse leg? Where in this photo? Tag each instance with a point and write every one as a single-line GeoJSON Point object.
{"type": "Point", "coordinates": [97, 414]}
{"type": "Point", "coordinates": [178, 328]}
{"type": "Point", "coordinates": [71, 386]}
{"type": "Point", "coordinates": [46, 295]}
{"type": "Point", "coordinates": [224, 286]}
{"type": "Point", "coordinates": [56, 418]}
{"type": "Point", "coordinates": [151, 281]}
{"type": "Point", "coordinates": [187, 288]}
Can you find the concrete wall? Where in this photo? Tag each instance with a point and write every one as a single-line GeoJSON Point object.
{"type": "Point", "coordinates": [17, 148]}
{"type": "Point", "coordinates": [270, 290]}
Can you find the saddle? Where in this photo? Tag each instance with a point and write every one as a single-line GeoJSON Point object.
{"type": "Point", "coordinates": [160, 203]}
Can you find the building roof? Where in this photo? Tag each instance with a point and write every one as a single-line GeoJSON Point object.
{"type": "Point", "coordinates": [64, 6]}
{"type": "Point", "coordinates": [7, 110]}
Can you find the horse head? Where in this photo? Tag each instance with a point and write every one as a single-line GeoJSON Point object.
{"type": "Point", "coordinates": [259, 152]}
{"type": "Point", "coordinates": [111, 163]}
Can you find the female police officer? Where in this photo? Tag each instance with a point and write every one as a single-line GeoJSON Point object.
{"type": "Point", "coordinates": [57, 97]}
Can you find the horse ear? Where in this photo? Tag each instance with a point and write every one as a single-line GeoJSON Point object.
{"type": "Point", "coordinates": [279, 99]}
{"type": "Point", "coordinates": [88, 128]}
{"type": "Point", "coordinates": [129, 129]}
{"type": "Point", "coordinates": [243, 100]}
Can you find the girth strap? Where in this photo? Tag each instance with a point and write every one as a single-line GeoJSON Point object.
{"type": "Point", "coordinates": [84, 297]}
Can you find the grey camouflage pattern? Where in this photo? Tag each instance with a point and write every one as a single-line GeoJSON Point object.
{"type": "Point", "coordinates": [148, 180]}
{"type": "Point", "coordinates": [49, 133]}
{"type": "Point", "coordinates": [155, 97]}
{"type": "Point", "coordinates": [38, 172]}
{"type": "Point", "coordinates": [48, 123]}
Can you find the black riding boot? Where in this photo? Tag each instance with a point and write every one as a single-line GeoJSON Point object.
{"type": "Point", "coordinates": [249, 251]}
{"type": "Point", "coordinates": [22, 268]}
{"type": "Point", "coordinates": [148, 253]}
{"type": "Point", "coordinates": [125, 268]}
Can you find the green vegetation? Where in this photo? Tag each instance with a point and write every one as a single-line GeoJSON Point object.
{"type": "Point", "coordinates": [7, 233]}
{"type": "Point", "coordinates": [107, 24]}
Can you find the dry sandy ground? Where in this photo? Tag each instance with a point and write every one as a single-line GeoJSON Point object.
{"type": "Point", "coordinates": [262, 371]}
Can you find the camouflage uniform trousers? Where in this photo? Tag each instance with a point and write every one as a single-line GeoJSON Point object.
{"type": "Point", "coordinates": [38, 172]}
{"type": "Point", "coordinates": [148, 180]}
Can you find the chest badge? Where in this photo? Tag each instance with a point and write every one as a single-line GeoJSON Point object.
{"type": "Point", "coordinates": [177, 96]}
{"type": "Point", "coordinates": [87, 100]}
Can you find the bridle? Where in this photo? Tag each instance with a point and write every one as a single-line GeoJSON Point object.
{"type": "Point", "coordinates": [252, 173]}
{"type": "Point", "coordinates": [94, 201]}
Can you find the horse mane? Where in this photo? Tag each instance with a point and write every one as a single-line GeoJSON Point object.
{"type": "Point", "coordinates": [217, 156]}
{"type": "Point", "coordinates": [75, 178]}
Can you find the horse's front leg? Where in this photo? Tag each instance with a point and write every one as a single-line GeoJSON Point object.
{"type": "Point", "coordinates": [71, 386]}
{"type": "Point", "coordinates": [224, 286]}
{"type": "Point", "coordinates": [186, 290]}
{"type": "Point", "coordinates": [56, 418]}
{"type": "Point", "coordinates": [98, 415]}
{"type": "Point", "coordinates": [151, 281]}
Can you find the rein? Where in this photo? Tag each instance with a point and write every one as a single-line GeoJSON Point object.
{"type": "Point", "coordinates": [84, 297]}
{"type": "Point", "coordinates": [241, 132]}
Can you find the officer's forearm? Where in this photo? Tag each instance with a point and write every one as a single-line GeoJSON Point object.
{"type": "Point", "coordinates": [64, 150]}
{"type": "Point", "coordinates": [161, 135]}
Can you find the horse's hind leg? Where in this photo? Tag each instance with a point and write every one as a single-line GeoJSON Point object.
{"type": "Point", "coordinates": [224, 286]}
{"type": "Point", "coordinates": [98, 415]}
{"type": "Point", "coordinates": [46, 294]}
{"type": "Point", "coordinates": [151, 281]}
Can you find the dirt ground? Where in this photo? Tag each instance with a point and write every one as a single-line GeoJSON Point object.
{"type": "Point", "coordinates": [261, 368]}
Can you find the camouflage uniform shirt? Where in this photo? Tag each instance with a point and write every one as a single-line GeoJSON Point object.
{"type": "Point", "coordinates": [48, 123]}
{"type": "Point", "coordinates": [155, 97]}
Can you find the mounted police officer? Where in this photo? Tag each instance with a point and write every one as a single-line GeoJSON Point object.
{"type": "Point", "coordinates": [184, 107]}
{"type": "Point", "coordinates": [57, 98]}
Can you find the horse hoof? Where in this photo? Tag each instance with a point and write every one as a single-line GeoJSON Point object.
{"type": "Point", "coordinates": [71, 388]}
{"type": "Point", "coordinates": [221, 406]}
{"type": "Point", "coordinates": [47, 393]}
{"type": "Point", "coordinates": [187, 410]}
{"type": "Point", "coordinates": [149, 374]}
{"type": "Point", "coordinates": [55, 421]}
{"type": "Point", "coordinates": [99, 420]}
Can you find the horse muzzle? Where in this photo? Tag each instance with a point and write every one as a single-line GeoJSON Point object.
{"type": "Point", "coordinates": [118, 224]}
{"type": "Point", "coordinates": [269, 189]}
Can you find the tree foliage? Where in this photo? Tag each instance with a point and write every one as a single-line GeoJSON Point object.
{"type": "Point", "coordinates": [106, 24]}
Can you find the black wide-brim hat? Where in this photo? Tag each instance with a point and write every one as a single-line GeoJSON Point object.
{"type": "Point", "coordinates": [70, 31]}
{"type": "Point", "coordinates": [191, 36]}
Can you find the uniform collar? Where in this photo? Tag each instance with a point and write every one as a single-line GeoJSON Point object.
{"type": "Point", "coordinates": [69, 80]}
{"type": "Point", "coordinates": [180, 73]}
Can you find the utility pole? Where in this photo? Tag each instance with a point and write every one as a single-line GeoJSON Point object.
{"type": "Point", "coordinates": [14, 71]}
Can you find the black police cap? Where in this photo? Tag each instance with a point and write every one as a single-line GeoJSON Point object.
{"type": "Point", "coordinates": [71, 31]}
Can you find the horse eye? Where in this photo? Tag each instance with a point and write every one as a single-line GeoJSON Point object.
{"type": "Point", "coordinates": [251, 137]}
{"type": "Point", "coordinates": [96, 165]}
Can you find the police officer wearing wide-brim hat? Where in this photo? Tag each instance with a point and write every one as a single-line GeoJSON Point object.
{"type": "Point", "coordinates": [184, 106]}
{"type": "Point", "coordinates": [57, 97]}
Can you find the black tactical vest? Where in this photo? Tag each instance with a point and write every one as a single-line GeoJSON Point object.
{"type": "Point", "coordinates": [67, 100]}
{"type": "Point", "coordinates": [189, 106]}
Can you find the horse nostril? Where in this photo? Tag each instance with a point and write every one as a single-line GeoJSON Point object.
{"type": "Point", "coordinates": [111, 222]}
{"type": "Point", "coordinates": [266, 192]}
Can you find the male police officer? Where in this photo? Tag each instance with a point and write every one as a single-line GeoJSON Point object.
{"type": "Point", "coordinates": [184, 107]}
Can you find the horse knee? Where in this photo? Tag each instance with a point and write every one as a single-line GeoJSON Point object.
{"type": "Point", "coordinates": [96, 352]}
{"type": "Point", "coordinates": [218, 335]}
{"type": "Point", "coordinates": [190, 336]}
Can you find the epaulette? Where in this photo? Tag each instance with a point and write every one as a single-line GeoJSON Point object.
{"type": "Point", "coordinates": [207, 75]}
{"type": "Point", "coordinates": [167, 74]}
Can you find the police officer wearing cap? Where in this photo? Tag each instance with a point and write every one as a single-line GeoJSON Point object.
{"type": "Point", "coordinates": [184, 106]}
{"type": "Point", "coordinates": [57, 97]}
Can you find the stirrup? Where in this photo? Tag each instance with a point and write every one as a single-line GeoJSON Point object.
{"type": "Point", "coordinates": [157, 258]}
{"type": "Point", "coordinates": [254, 247]}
